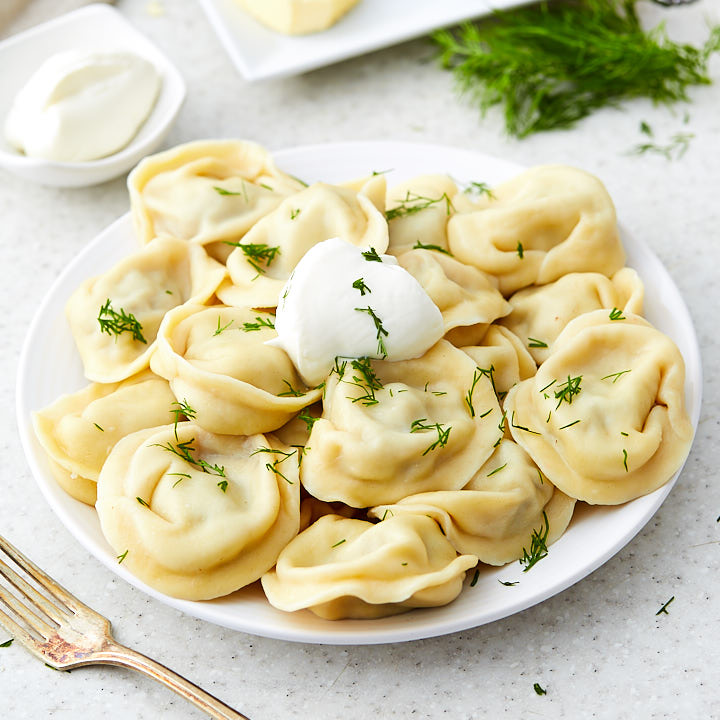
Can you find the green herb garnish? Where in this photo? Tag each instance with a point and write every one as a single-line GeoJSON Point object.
{"type": "Point", "coordinates": [381, 350]}
{"type": "Point", "coordinates": [538, 546]}
{"type": "Point", "coordinates": [616, 314]}
{"type": "Point", "coordinates": [509, 583]}
{"type": "Point", "coordinates": [443, 433]}
{"type": "Point", "coordinates": [101, 429]}
{"type": "Point", "coordinates": [182, 408]}
{"type": "Point", "coordinates": [371, 255]}
{"type": "Point", "coordinates": [413, 203]}
{"type": "Point", "coordinates": [664, 608]}
{"type": "Point", "coordinates": [539, 690]}
{"type": "Point", "coordinates": [551, 65]}
{"type": "Point", "coordinates": [142, 502]}
{"type": "Point", "coordinates": [519, 250]}
{"type": "Point", "coordinates": [116, 322]}
{"type": "Point", "coordinates": [223, 485]}
{"type": "Point", "coordinates": [291, 391]}
{"type": "Point", "coordinates": [9, 642]}
{"type": "Point", "coordinates": [219, 329]}
{"type": "Point", "coordinates": [625, 457]}
{"type": "Point", "coordinates": [473, 582]}
{"type": "Point", "coordinates": [479, 189]}
{"type": "Point", "coordinates": [256, 253]}
{"type": "Point", "coordinates": [615, 376]}
{"type": "Point", "coordinates": [307, 418]}
{"type": "Point", "coordinates": [339, 542]}
{"type": "Point", "coordinates": [568, 390]}
{"type": "Point", "coordinates": [261, 323]}
{"type": "Point", "coordinates": [294, 213]}
{"type": "Point", "coordinates": [223, 191]}
{"type": "Point", "coordinates": [673, 150]}
{"type": "Point", "coordinates": [120, 558]}
{"type": "Point", "coordinates": [366, 380]}
{"type": "Point", "coordinates": [535, 343]}
{"type": "Point", "coordinates": [360, 285]}
{"type": "Point", "coordinates": [421, 246]}
{"type": "Point", "coordinates": [497, 470]}
{"type": "Point", "coordinates": [185, 450]}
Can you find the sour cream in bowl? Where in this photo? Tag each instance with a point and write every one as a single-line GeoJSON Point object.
{"type": "Point", "coordinates": [85, 98]}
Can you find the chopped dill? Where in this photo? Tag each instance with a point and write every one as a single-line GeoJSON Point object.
{"type": "Point", "coordinates": [664, 608]}
{"type": "Point", "coordinates": [535, 343]}
{"type": "Point", "coordinates": [443, 433]}
{"type": "Point", "coordinates": [101, 429]}
{"type": "Point", "coordinates": [185, 450]}
{"type": "Point", "coordinates": [413, 203]}
{"type": "Point", "coordinates": [120, 558]}
{"type": "Point", "coordinates": [509, 583]}
{"type": "Point", "coordinates": [616, 376]}
{"type": "Point", "coordinates": [371, 255]}
{"type": "Point", "coordinates": [479, 189]}
{"type": "Point", "coordinates": [360, 285]}
{"type": "Point", "coordinates": [142, 502]}
{"type": "Point", "coordinates": [473, 582]}
{"type": "Point", "coordinates": [256, 253]}
{"type": "Point", "coordinates": [437, 248]}
{"type": "Point", "coordinates": [219, 329]}
{"type": "Point", "coordinates": [307, 418]}
{"type": "Point", "coordinates": [616, 314]}
{"type": "Point", "coordinates": [538, 546]}
{"type": "Point", "coordinates": [291, 391]}
{"type": "Point", "coordinates": [339, 542]}
{"type": "Point", "coordinates": [223, 485]}
{"type": "Point", "coordinates": [673, 150]}
{"type": "Point", "coordinates": [116, 322]}
{"type": "Point", "coordinates": [381, 331]}
{"type": "Point", "coordinates": [519, 250]}
{"type": "Point", "coordinates": [625, 457]}
{"type": "Point", "coordinates": [538, 689]}
{"type": "Point", "coordinates": [223, 191]}
{"type": "Point", "coordinates": [552, 64]}
{"type": "Point", "coordinates": [568, 390]}
{"type": "Point", "coordinates": [497, 470]}
{"type": "Point", "coordinates": [260, 323]}
{"type": "Point", "coordinates": [294, 213]}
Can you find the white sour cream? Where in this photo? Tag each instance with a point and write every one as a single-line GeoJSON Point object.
{"type": "Point", "coordinates": [322, 315]}
{"type": "Point", "coordinates": [82, 105]}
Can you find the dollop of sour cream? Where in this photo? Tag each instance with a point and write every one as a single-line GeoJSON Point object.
{"type": "Point", "coordinates": [82, 105]}
{"type": "Point", "coordinates": [339, 301]}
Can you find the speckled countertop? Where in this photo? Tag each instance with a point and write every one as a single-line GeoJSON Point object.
{"type": "Point", "coordinates": [598, 648]}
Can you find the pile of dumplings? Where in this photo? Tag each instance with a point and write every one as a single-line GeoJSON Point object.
{"type": "Point", "coordinates": [212, 465]}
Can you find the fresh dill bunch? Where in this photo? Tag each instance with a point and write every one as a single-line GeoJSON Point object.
{"type": "Point", "coordinates": [552, 64]}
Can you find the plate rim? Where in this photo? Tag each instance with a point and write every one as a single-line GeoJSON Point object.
{"type": "Point", "coordinates": [351, 632]}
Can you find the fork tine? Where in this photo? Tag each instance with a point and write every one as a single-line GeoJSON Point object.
{"type": "Point", "coordinates": [56, 590]}
{"type": "Point", "coordinates": [35, 597]}
{"type": "Point", "coordinates": [30, 618]}
{"type": "Point", "coordinates": [18, 631]}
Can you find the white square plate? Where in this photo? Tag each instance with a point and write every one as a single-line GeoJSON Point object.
{"type": "Point", "coordinates": [259, 53]}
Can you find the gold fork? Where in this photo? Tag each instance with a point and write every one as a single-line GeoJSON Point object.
{"type": "Point", "coordinates": [64, 632]}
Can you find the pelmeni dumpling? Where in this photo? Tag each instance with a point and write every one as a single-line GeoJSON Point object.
{"type": "Point", "coordinates": [548, 221]}
{"type": "Point", "coordinates": [496, 513]}
{"type": "Point", "coordinates": [604, 418]}
{"type": "Point", "coordinates": [206, 191]}
{"type": "Point", "coordinates": [196, 515]}
{"type": "Point", "coordinates": [540, 313]}
{"type": "Point", "coordinates": [217, 362]}
{"type": "Point", "coordinates": [502, 353]}
{"type": "Point", "coordinates": [114, 317]}
{"type": "Point", "coordinates": [261, 265]}
{"type": "Point", "coordinates": [465, 296]}
{"type": "Point", "coordinates": [344, 568]}
{"type": "Point", "coordinates": [391, 429]}
{"type": "Point", "coordinates": [418, 211]}
{"type": "Point", "coordinates": [78, 431]}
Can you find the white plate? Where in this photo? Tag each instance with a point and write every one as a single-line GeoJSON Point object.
{"type": "Point", "coordinates": [50, 366]}
{"type": "Point", "coordinates": [259, 53]}
{"type": "Point", "coordinates": [96, 26]}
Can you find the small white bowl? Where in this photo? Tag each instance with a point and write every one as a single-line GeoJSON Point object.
{"type": "Point", "coordinates": [99, 26]}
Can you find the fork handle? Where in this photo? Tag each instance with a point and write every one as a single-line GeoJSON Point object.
{"type": "Point", "coordinates": [115, 654]}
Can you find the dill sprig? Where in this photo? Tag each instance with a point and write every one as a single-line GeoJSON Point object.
{"type": "Point", "coordinates": [261, 323]}
{"type": "Point", "coordinates": [674, 149]}
{"type": "Point", "coordinates": [538, 546]}
{"type": "Point", "coordinates": [413, 203]}
{"type": "Point", "coordinates": [185, 451]}
{"type": "Point", "coordinates": [478, 189]}
{"type": "Point", "coordinates": [568, 390]}
{"type": "Point", "coordinates": [437, 248]}
{"type": "Point", "coordinates": [443, 433]}
{"type": "Point", "coordinates": [366, 379]}
{"type": "Point", "coordinates": [381, 331]}
{"type": "Point", "coordinates": [181, 409]}
{"type": "Point", "coordinates": [256, 253]}
{"type": "Point", "coordinates": [116, 322]}
{"type": "Point", "coordinates": [552, 64]}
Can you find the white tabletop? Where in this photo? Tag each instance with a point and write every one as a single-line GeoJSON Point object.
{"type": "Point", "coordinates": [598, 648]}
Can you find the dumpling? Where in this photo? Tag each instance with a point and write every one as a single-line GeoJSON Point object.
{"type": "Point", "coordinates": [549, 221]}
{"type": "Point", "coordinates": [196, 515]}
{"type": "Point", "coordinates": [206, 191]}
{"type": "Point", "coordinates": [261, 264]}
{"type": "Point", "coordinates": [114, 318]}
{"type": "Point", "coordinates": [465, 296]}
{"type": "Point", "coordinates": [604, 418]}
{"type": "Point", "coordinates": [418, 211]}
{"type": "Point", "coordinates": [78, 431]}
{"type": "Point", "coordinates": [344, 568]}
{"type": "Point", "coordinates": [390, 429]}
{"type": "Point", "coordinates": [540, 313]}
{"type": "Point", "coordinates": [217, 362]}
{"type": "Point", "coordinates": [502, 352]}
{"type": "Point", "coordinates": [298, 17]}
{"type": "Point", "coordinates": [495, 515]}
